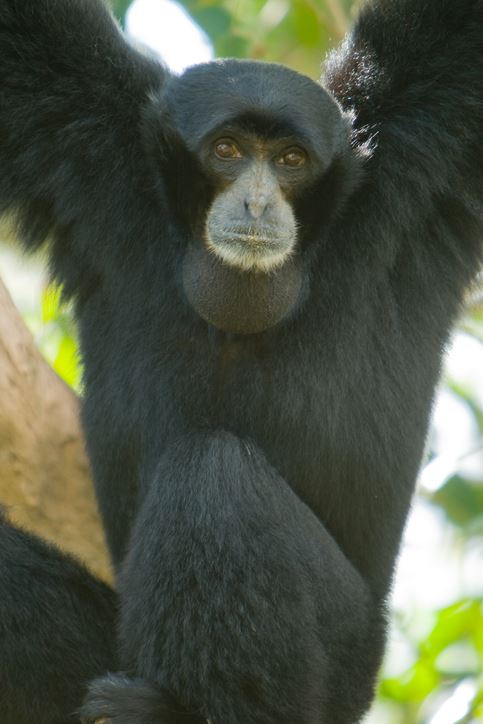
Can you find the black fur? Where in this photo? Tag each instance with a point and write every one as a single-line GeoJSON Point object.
{"type": "Point", "coordinates": [254, 489]}
{"type": "Point", "coordinates": [56, 630]}
{"type": "Point", "coordinates": [127, 700]}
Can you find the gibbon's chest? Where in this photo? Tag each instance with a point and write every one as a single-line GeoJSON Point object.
{"type": "Point", "coordinates": [291, 392]}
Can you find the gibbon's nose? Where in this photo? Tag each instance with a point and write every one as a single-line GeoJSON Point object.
{"type": "Point", "coordinates": [255, 205]}
{"type": "Point", "coordinates": [260, 190]}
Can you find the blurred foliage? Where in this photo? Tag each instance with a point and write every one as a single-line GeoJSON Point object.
{"type": "Point", "coordinates": [297, 33]}
{"type": "Point", "coordinates": [58, 337]}
{"type": "Point", "coordinates": [120, 7]}
{"type": "Point", "coordinates": [447, 652]}
{"type": "Point", "coordinates": [449, 656]}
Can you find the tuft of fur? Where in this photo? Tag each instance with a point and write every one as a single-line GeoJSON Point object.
{"type": "Point", "coordinates": [123, 700]}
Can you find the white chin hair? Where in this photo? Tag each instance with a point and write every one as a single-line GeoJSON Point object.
{"type": "Point", "coordinates": [244, 258]}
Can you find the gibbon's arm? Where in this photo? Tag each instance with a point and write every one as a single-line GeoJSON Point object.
{"type": "Point", "coordinates": [72, 92]}
{"type": "Point", "coordinates": [411, 73]}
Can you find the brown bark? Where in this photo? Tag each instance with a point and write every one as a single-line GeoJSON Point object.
{"type": "Point", "coordinates": [44, 474]}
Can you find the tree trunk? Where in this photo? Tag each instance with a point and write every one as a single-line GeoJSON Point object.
{"type": "Point", "coordinates": [45, 482]}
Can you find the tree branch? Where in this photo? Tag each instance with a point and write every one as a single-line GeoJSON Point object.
{"type": "Point", "coordinates": [44, 474]}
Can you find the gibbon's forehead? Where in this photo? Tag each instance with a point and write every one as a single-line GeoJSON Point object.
{"type": "Point", "coordinates": [270, 97]}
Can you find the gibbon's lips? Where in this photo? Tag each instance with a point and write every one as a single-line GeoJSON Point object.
{"type": "Point", "coordinates": [243, 302]}
{"type": "Point", "coordinates": [251, 247]}
{"type": "Point", "coordinates": [252, 238]}
{"type": "Point", "coordinates": [251, 252]}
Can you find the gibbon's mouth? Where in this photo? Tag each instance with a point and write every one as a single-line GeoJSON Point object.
{"type": "Point", "coordinates": [253, 238]}
{"type": "Point", "coordinates": [251, 250]}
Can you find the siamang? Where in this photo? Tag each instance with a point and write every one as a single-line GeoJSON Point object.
{"type": "Point", "coordinates": [265, 272]}
{"type": "Point", "coordinates": [57, 630]}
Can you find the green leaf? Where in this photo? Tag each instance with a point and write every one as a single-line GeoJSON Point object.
{"type": "Point", "coordinates": [305, 24]}
{"type": "Point", "coordinates": [50, 303]}
{"type": "Point", "coordinates": [66, 364]}
{"type": "Point", "coordinates": [120, 8]}
{"type": "Point", "coordinates": [231, 46]}
{"type": "Point", "coordinates": [414, 686]}
{"type": "Point", "coordinates": [453, 624]}
{"type": "Point", "coordinates": [461, 499]}
{"type": "Point", "coordinates": [215, 21]}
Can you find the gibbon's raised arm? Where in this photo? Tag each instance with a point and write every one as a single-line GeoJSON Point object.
{"type": "Point", "coordinates": [72, 92]}
{"type": "Point", "coordinates": [411, 72]}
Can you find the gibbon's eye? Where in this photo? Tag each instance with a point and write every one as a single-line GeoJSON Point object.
{"type": "Point", "coordinates": [293, 158]}
{"type": "Point", "coordinates": [227, 150]}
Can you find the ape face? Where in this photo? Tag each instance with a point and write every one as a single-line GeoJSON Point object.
{"type": "Point", "coordinates": [257, 150]}
{"type": "Point", "coordinates": [251, 223]}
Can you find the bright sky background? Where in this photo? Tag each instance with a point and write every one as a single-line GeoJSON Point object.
{"type": "Point", "coordinates": [165, 27]}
